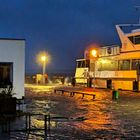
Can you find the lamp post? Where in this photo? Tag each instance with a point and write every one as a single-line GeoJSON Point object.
{"type": "Point", "coordinates": [43, 59]}
{"type": "Point", "coordinates": [94, 57]}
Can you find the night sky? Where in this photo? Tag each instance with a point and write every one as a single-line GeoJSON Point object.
{"type": "Point", "coordinates": [63, 28]}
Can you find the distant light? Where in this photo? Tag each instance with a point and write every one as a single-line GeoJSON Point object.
{"type": "Point", "coordinates": [43, 58]}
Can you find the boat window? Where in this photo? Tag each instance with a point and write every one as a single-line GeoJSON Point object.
{"type": "Point", "coordinates": [83, 64]}
{"type": "Point", "coordinates": [103, 52]}
{"type": "Point", "coordinates": [78, 64]}
{"type": "Point", "coordinates": [109, 50]}
{"type": "Point", "coordinates": [109, 65]}
{"type": "Point", "coordinates": [135, 63]}
{"type": "Point", "coordinates": [135, 39]}
{"type": "Point", "coordinates": [124, 64]}
{"type": "Point", "coordinates": [131, 38]}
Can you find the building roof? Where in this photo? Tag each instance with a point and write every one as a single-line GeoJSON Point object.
{"type": "Point", "coordinates": [12, 39]}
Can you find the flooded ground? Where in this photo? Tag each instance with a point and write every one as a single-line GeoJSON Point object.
{"type": "Point", "coordinates": [105, 119]}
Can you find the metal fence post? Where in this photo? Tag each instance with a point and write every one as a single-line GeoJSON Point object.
{"type": "Point", "coordinates": [45, 126]}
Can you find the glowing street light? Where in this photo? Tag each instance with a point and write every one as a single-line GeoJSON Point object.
{"type": "Point", "coordinates": [43, 59]}
{"type": "Point", "coordinates": [94, 55]}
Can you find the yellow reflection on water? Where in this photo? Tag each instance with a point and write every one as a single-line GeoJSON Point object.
{"type": "Point", "coordinates": [97, 114]}
{"type": "Point", "coordinates": [40, 123]}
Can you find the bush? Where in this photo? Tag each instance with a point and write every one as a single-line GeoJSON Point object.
{"type": "Point", "coordinates": [7, 101]}
{"type": "Point", "coordinates": [7, 92]}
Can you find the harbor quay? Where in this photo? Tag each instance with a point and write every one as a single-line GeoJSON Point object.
{"type": "Point", "coordinates": [74, 117]}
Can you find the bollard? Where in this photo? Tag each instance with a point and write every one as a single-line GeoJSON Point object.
{"type": "Point", "coordinates": [89, 82]}
{"type": "Point", "coordinates": [115, 94]}
{"type": "Point", "coordinates": [73, 82]}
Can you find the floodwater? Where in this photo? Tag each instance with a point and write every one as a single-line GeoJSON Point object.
{"type": "Point", "coordinates": [105, 119]}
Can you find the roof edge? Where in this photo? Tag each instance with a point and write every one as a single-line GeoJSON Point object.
{"type": "Point", "coordinates": [12, 39]}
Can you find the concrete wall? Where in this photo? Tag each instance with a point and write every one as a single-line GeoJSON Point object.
{"type": "Point", "coordinates": [12, 50]}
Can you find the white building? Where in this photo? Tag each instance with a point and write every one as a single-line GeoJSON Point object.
{"type": "Point", "coordinates": [12, 65]}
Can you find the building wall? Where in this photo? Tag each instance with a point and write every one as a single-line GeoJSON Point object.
{"type": "Point", "coordinates": [116, 84]}
{"type": "Point", "coordinates": [121, 84]}
{"type": "Point", "coordinates": [14, 51]}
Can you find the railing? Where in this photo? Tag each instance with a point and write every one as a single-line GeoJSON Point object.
{"type": "Point", "coordinates": [28, 129]}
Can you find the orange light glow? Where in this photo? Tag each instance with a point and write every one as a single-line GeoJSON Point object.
{"type": "Point", "coordinates": [94, 53]}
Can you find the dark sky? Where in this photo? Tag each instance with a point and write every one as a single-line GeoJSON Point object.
{"type": "Point", "coordinates": [64, 28]}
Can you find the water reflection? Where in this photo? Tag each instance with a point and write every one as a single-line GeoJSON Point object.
{"type": "Point", "coordinates": [96, 112]}
{"type": "Point", "coordinates": [103, 117]}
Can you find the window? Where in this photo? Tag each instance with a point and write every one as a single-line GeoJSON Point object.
{"type": "Point", "coordinates": [78, 64]}
{"type": "Point", "coordinates": [109, 50]}
{"type": "Point", "coordinates": [131, 38]}
{"type": "Point", "coordinates": [124, 65]}
{"type": "Point", "coordinates": [135, 39]}
{"type": "Point", "coordinates": [107, 65]}
{"type": "Point", "coordinates": [103, 52]}
{"type": "Point", "coordinates": [135, 63]}
{"type": "Point", "coordinates": [83, 63]}
{"type": "Point", "coordinates": [6, 74]}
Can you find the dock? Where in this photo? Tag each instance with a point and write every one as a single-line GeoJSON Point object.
{"type": "Point", "coordinates": [72, 92]}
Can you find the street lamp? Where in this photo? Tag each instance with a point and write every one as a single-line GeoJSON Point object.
{"type": "Point", "coordinates": [43, 59]}
{"type": "Point", "coordinates": [94, 53]}
{"type": "Point", "coordinates": [94, 56]}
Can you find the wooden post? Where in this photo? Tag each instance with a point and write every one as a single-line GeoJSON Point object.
{"type": "Point", "coordinates": [9, 125]}
{"type": "Point", "coordinates": [45, 126]}
{"type": "Point", "coordinates": [26, 125]}
{"type": "Point", "coordinates": [82, 95]}
{"type": "Point", "coordinates": [72, 94]}
{"type": "Point", "coordinates": [93, 97]}
{"type": "Point", "coordinates": [19, 105]}
{"type": "Point", "coordinates": [62, 91]}
{"type": "Point", "coordinates": [4, 124]}
{"type": "Point", "coordinates": [29, 122]}
{"type": "Point", "coordinates": [49, 123]}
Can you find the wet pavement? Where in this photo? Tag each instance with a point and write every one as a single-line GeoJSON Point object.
{"type": "Point", "coordinates": [105, 119]}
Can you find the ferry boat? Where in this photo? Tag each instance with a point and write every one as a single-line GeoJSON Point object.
{"type": "Point", "coordinates": [116, 67]}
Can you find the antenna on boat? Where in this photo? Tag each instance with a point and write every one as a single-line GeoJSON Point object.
{"type": "Point", "coordinates": [137, 9]}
